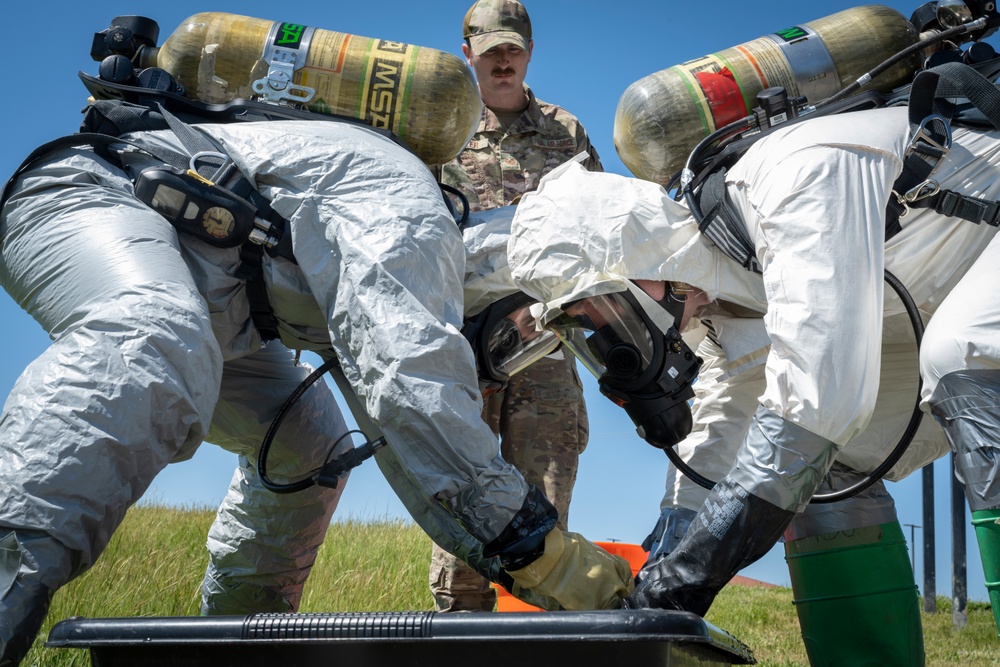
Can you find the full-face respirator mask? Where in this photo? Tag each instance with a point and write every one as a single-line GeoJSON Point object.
{"type": "Point", "coordinates": [631, 344]}
{"type": "Point", "coordinates": [506, 340]}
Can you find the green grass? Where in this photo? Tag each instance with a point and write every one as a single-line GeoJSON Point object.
{"type": "Point", "coordinates": [154, 565]}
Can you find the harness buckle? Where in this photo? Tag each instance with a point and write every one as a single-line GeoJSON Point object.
{"type": "Point", "coordinates": [211, 158]}
{"type": "Point", "coordinates": [928, 188]}
{"type": "Point", "coordinates": [932, 150]}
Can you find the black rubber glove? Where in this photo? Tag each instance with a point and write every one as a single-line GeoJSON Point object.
{"type": "Point", "coordinates": [733, 528]}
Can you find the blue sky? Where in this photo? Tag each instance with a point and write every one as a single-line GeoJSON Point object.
{"type": "Point", "coordinates": [586, 54]}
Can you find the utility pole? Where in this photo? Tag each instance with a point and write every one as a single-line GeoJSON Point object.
{"type": "Point", "coordinates": [930, 569]}
{"type": "Point", "coordinates": [913, 548]}
{"type": "Point", "coordinates": [959, 596]}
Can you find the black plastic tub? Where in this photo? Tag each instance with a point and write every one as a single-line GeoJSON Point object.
{"type": "Point", "coordinates": [641, 638]}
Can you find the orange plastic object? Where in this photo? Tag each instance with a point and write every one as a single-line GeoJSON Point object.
{"type": "Point", "coordinates": [633, 553]}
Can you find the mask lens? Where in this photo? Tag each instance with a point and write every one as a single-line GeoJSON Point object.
{"type": "Point", "coordinates": [608, 336]}
{"type": "Point", "coordinates": [640, 361]}
{"type": "Point", "coordinates": [513, 343]}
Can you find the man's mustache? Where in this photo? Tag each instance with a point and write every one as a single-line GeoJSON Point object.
{"type": "Point", "coordinates": [502, 71]}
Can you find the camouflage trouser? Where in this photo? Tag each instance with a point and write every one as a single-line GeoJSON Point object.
{"type": "Point", "coordinates": [542, 423]}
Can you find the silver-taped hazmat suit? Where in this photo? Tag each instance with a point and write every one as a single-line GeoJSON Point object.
{"type": "Point", "coordinates": [153, 347]}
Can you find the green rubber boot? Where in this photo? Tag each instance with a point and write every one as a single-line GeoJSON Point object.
{"type": "Point", "coordinates": [987, 524]}
{"type": "Point", "coordinates": [856, 598]}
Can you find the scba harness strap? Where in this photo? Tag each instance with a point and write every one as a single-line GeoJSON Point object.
{"type": "Point", "coordinates": [931, 114]}
{"type": "Point", "coordinates": [207, 159]}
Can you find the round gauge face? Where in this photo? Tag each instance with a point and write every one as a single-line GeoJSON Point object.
{"type": "Point", "coordinates": [218, 222]}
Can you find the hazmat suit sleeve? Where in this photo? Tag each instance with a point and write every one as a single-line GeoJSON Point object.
{"type": "Point", "coordinates": [380, 265]}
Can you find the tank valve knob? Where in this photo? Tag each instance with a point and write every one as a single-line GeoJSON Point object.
{"type": "Point", "coordinates": [127, 36]}
{"type": "Point", "coordinates": [117, 69]}
{"type": "Point", "coordinates": [155, 78]}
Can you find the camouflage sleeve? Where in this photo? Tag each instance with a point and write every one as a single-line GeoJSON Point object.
{"type": "Point", "coordinates": [593, 161]}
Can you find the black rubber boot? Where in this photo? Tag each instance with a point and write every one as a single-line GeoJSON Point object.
{"type": "Point", "coordinates": [732, 529]}
{"type": "Point", "coordinates": [22, 612]}
{"type": "Point", "coordinates": [23, 605]}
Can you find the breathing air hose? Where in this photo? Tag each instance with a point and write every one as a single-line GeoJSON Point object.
{"type": "Point", "coordinates": [334, 468]}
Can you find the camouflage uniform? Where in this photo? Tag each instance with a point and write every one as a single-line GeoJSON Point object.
{"type": "Point", "coordinates": [541, 417]}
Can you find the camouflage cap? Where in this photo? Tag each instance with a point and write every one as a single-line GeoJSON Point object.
{"type": "Point", "coordinates": [489, 23]}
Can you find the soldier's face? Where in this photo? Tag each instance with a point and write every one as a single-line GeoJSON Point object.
{"type": "Point", "coordinates": [500, 71]}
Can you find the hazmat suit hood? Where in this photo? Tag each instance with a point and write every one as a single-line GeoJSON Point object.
{"type": "Point", "coordinates": [584, 234]}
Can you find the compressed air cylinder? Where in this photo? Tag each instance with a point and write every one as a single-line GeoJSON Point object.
{"type": "Point", "coordinates": [661, 117]}
{"type": "Point", "coordinates": [426, 97]}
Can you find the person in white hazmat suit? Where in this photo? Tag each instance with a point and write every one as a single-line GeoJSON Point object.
{"type": "Point", "coordinates": [154, 350]}
{"type": "Point", "coordinates": [812, 198]}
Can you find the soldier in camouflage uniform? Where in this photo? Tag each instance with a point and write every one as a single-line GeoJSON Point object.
{"type": "Point", "coordinates": [541, 417]}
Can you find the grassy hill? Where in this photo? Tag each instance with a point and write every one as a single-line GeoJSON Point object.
{"type": "Point", "coordinates": [154, 566]}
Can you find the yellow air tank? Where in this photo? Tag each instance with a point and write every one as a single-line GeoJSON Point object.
{"type": "Point", "coordinates": [661, 117]}
{"type": "Point", "coordinates": [426, 97]}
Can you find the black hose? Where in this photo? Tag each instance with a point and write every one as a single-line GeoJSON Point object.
{"type": "Point", "coordinates": [864, 80]}
{"type": "Point", "coordinates": [272, 430]}
{"type": "Point", "coordinates": [458, 194]}
{"type": "Point", "coordinates": [911, 428]}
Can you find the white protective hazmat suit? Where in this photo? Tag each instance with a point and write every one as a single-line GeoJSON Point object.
{"type": "Point", "coordinates": [836, 313]}
{"type": "Point", "coordinates": [812, 197]}
{"type": "Point", "coordinates": [154, 351]}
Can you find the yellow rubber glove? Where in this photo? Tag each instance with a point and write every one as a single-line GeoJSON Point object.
{"type": "Point", "coordinates": [577, 573]}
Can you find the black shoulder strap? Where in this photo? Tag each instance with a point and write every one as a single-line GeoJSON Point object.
{"type": "Point", "coordinates": [932, 105]}
{"type": "Point", "coordinates": [721, 222]}
{"type": "Point", "coordinates": [93, 140]}
{"type": "Point", "coordinates": [935, 89]}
